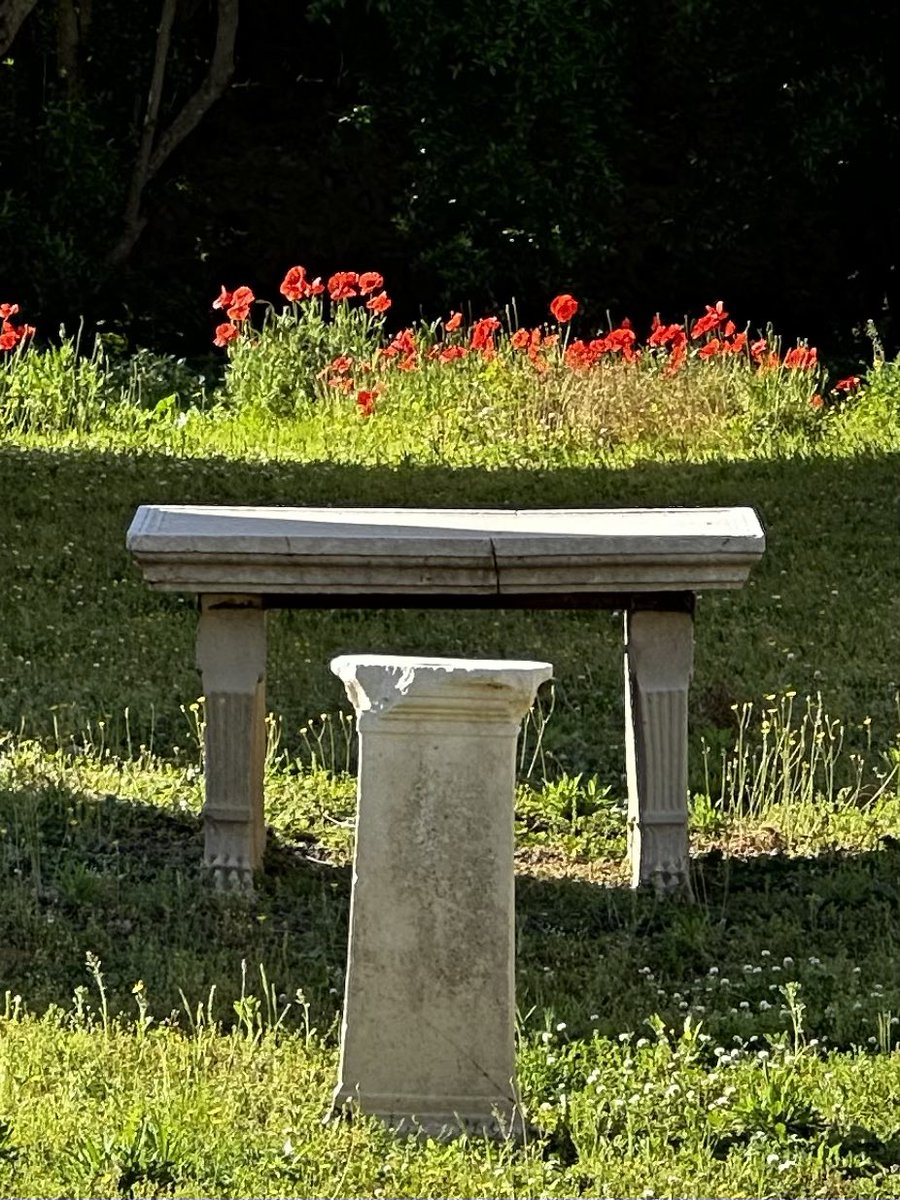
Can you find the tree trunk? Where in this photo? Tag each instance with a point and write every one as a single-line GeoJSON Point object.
{"type": "Point", "coordinates": [132, 221]}
{"type": "Point", "coordinates": [217, 79]}
{"type": "Point", "coordinates": [12, 14]}
{"type": "Point", "coordinates": [151, 156]}
{"type": "Point", "coordinates": [67, 43]}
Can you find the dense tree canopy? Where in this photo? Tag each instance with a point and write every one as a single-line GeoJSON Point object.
{"type": "Point", "coordinates": [647, 157]}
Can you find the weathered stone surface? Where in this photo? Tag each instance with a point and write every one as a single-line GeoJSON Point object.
{"type": "Point", "coordinates": [231, 657]}
{"type": "Point", "coordinates": [427, 1041]}
{"type": "Point", "coordinates": [332, 557]}
{"type": "Point", "coordinates": [659, 655]}
{"type": "Point", "coordinates": [457, 552]}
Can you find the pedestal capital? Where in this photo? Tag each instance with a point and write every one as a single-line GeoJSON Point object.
{"type": "Point", "coordinates": [479, 691]}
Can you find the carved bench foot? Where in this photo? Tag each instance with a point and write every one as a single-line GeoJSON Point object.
{"type": "Point", "coordinates": [659, 652]}
{"type": "Point", "coordinates": [231, 655]}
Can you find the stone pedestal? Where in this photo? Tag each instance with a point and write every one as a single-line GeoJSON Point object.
{"type": "Point", "coordinates": [427, 1041]}
{"type": "Point", "coordinates": [231, 657]}
{"type": "Point", "coordinates": [659, 652]}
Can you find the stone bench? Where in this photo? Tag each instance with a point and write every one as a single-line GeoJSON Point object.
{"type": "Point", "coordinates": [650, 563]}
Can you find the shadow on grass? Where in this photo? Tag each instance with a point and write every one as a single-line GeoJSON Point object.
{"type": "Point", "coordinates": [82, 639]}
{"type": "Point", "coordinates": [122, 880]}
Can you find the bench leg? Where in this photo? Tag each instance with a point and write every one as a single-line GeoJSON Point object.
{"type": "Point", "coordinates": [428, 1035]}
{"type": "Point", "coordinates": [231, 657]}
{"type": "Point", "coordinates": [659, 651]}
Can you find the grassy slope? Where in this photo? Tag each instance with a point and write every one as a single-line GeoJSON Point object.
{"type": "Point", "coordinates": [101, 854]}
{"type": "Point", "coordinates": [819, 614]}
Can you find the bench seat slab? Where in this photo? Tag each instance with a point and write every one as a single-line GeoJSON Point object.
{"type": "Point", "coordinates": [402, 553]}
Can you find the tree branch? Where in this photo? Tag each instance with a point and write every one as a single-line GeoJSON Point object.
{"type": "Point", "coordinates": [140, 172]}
{"type": "Point", "coordinates": [221, 68]}
{"type": "Point", "coordinates": [151, 157]}
{"type": "Point", "coordinates": [12, 14]}
{"type": "Point", "coordinates": [68, 38]}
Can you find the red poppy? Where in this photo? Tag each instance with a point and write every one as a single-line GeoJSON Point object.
{"type": "Point", "coordinates": [7, 311]}
{"type": "Point", "coordinates": [664, 335]}
{"type": "Point", "coordinates": [365, 402]}
{"type": "Point", "coordinates": [482, 337]}
{"type": "Point", "coordinates": [578, 356]}
{"type": "Point", "coordinates": [801, 358]}
{"type": "Point", "coordinates": [676, 339]}
{"type": "Point", "coordinates": [370, 281]}
{"type": "Point", "coordinates": [453, 322]}
{"type": "Point", "coordinates": [11, 335]}
{"type": "Point", "coordinates": [225, 333]}
{"type": "Point", "coordinates": [586, 354]}
{"type": "Point", "coordinates": [380, 303]}
{"type": "Point", "coordinates": [341, 364]}
{"type": "Point", "coordinates": [342, 285]}
{"type": "Point", "coordinates": [239, 308]}
{"type": "Point", "coordinates": [295, 285]}
{"type": "Point", "coordinates": [622, 341]}
{"type": "Point", "coordinates": [564, 307]}
{"type": "Point", "coordinates": [677, 355]}
{"type": "Point", "coordinates": [714, 316]}
{"type": "Point", "coordinates": [224, 299]}
{"type": "Point", "coordinates": [451, 353]}
{"type": "Point", "coordinates": [850, 384]}
{"type": "Point", "coordinates": [520, 339]}
{"type": "Point", "coordinates": [403, 343]}
{"type": "Point", "coordinates": [536, 343]}
{"type": "Point", "coordinates": [816, 401]}
{"type": "Point", "coordinates": [291, 287]}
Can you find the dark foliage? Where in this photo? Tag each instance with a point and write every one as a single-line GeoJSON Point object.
{"type": "Point", "coordinates": [657, 156]}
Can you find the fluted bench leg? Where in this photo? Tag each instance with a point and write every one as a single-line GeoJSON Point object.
{"type": "Point", "coordinates": [427, 1041]}
{"type": "Point", "coordinates": [231, 657]}
{"type": "Point", "coordinates": [659, 652]}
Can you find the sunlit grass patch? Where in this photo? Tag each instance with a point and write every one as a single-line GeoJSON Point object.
{"type": "Point", "coordinates": [325, 377]}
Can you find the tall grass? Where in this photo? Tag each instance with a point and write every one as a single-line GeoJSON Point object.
{"type": "Point", "coordinates": [331, 379]}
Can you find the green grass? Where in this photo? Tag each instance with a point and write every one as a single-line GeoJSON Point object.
{"type": "Point", "coordinates": [162, 1039]}
{"type": "Point", "coordinates": [83, 640]}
